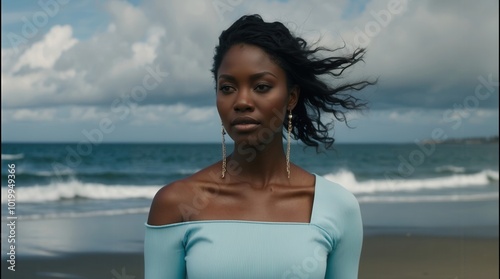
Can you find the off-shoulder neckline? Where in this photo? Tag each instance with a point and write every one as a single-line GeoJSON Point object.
{"type": "Point", "coordinates": [311, 218]}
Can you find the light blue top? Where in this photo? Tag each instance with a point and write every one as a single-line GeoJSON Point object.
{"type": "Point", "coordinates": [327, 247]}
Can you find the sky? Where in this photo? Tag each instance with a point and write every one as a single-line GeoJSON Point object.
{"type": "Point", "coordinates": [139, 71]}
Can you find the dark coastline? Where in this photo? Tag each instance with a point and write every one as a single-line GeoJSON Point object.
{"type": "Point", "coordinates": [476, 140]}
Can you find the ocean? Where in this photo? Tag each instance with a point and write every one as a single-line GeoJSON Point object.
{"type": "Point", "coordinates": [444, 189]}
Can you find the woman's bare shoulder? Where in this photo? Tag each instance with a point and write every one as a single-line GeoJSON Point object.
{"type": "Point", "coordinates": [164, 207]}
{"type": "Point", "coordinates": [169, 202]}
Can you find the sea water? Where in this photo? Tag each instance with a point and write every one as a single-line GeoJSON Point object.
{"type": "Point", "coordinates": [447, 189]}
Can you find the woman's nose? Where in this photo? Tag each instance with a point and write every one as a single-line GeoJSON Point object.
{"type": "Point", "coordinates": [244, 101]}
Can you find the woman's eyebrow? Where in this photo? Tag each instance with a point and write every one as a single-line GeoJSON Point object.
{"type": "Point", "coordinates": [252, 77]}
{"type": "Point", "coordinates": [227, 77]}
{"type": "Point", "coordinates": [261, 74]}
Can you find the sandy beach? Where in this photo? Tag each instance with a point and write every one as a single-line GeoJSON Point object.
{"type": "Point", "coordinates": [383, 257]}
{"type": "Point", "coordinates": [415, 257]}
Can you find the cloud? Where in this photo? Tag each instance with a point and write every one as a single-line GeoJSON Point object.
{"type": "Point", "coordinates": [430, 56]}
{"type": "Point", "coordinates": [45, 53]}
{"type": "Point", "coordinates": [173, 115]}
{"type": "Point", "coordinates": [129, 22]}
{"type": "Point", "coordinates": [426, 55]}
{"type": "Point", "coordinates": [29, 79]}
{"type": "Point", "coordinates": [39, 115]}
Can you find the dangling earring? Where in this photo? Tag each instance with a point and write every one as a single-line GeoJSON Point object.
{"type": "Point", "coordinates": [223, 153]}
{"type": "Point", "coordinates": [288, 143]}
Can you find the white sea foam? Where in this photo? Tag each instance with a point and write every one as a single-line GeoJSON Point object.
{"type": "Point", "coordinates": [65, 172]}
{"type": "Point", "coordinates": [188, 171]}
{"type": "Point", "coordinates": [450, 169]}
{"type": "Point", "coordinates": [12, 156]}
{"type": "Point", "coordinates": [390, 184]}
{"type": "Point", "coordinates": [62, 215]}
{"type": "Point", "coordinates": [76, 189]}
{"type": "Point", "coordinates": [493, 175]}
{"type": "Point", "coordinates": [427, 198]}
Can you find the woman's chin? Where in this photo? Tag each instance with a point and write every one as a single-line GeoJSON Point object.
{"type": "Point", "coordinates": [252, 141]}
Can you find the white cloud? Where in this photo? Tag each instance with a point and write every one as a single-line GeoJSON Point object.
{"type": "Point", "coordinates": [480, 116]}
{"type": "Point", "coordinates": [173, 115]}
{"type": "Point", "coordinates": [129, 21]}
{"type": "Point", "coordinates": [486, 113]}
{"type": "Point", "coordinates": [86, 113]}
{"type": "Point", "coordinates": [428, 56]}
{"type": "Point", "coordinates": [38, 115]}
{"type": "Point", "coordinates": [44, 54]}
{"type": "Point", "coordinates": [25, 90]}
{"type": "Point", "coordinates": [143, 53]}
{"type": "Point", "coordinates": [427, 49]}
{"type": "Point", "coordinates": [434, 49]}
{"type": "Point", "coordinates": [200, 115]}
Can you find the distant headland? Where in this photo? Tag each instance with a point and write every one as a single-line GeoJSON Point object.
{"type": "Point", "coordinates": [471, 140]}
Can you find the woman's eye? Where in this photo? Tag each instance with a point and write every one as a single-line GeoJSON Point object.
{"type": "Point", "coordinates": [226, 89]}
{"type": "Point", "coordinates": [262, 88]}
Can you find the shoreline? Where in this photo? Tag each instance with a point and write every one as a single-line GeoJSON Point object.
{"type": "Point", "coordinates": [383, 257]}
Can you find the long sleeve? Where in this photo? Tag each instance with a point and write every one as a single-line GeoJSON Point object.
{"type": "Point", "coordinates": [164, 252]}
{"type": "Point", "coordinates": [343, 261]}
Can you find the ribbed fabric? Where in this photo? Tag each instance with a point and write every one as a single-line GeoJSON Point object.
{"type": "Point", "coordinates": [327, 247]}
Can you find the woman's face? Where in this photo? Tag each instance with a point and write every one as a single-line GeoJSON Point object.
{"type": "Point", "coordinates": [252, 95]}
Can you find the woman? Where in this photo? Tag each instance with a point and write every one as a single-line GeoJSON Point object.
{"type": "Point", "coordinates": [254, 214]}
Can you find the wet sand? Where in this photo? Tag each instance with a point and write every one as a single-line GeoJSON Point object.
{"type": "Point", "coordinates": [383, 257]}
{"type": "Point", "coordinates": [399, 257]}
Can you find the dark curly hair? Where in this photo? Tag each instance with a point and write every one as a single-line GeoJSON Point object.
{"type": "Point", "coordinates": [303, 67]}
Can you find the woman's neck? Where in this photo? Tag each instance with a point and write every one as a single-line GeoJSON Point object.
{"type": "Point", "coordinates": [258, 165]}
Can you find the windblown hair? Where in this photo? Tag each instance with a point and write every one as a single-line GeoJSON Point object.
{"type": "Point", "coordinates": [303, 67]}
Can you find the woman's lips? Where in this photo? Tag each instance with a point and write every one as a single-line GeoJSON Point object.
{"type": "Point", "coordinates": [245, 124]}
{"type": "Point", "coordinates": [245, 127]}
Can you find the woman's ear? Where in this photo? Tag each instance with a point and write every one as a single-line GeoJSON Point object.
{"type": "Point", "coordinates": [293, 97]}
